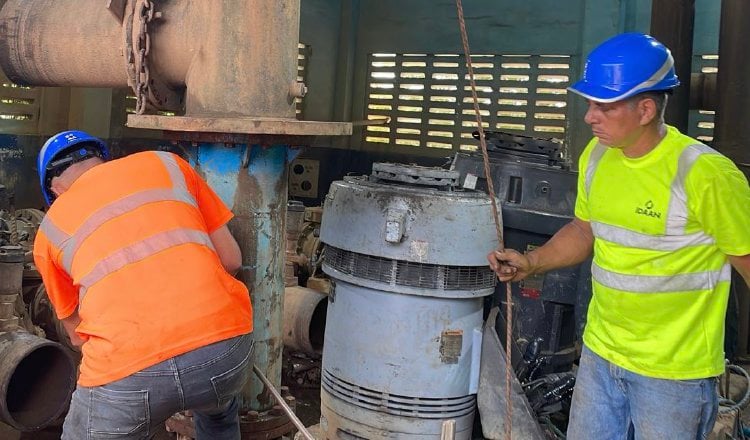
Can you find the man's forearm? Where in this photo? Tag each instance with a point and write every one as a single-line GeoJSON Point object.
{"type": "Point", "coordinates": [571, 245]}
{"type": "Point", "coordinates": [742, 265]}
{"type": "Point", "coordinates": [70, 323]}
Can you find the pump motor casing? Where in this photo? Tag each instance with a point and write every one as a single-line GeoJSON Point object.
{"type": "Point", "coordinates": [406, 250]}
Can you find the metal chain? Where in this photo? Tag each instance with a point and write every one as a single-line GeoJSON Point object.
{"type": "Point", "coordinates": [142, 48]}
{"type": "Point", "coordinates": [496, 217]}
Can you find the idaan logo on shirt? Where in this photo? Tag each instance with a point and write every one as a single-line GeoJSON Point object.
{"type": "Point", "coordinates": [648, 210]}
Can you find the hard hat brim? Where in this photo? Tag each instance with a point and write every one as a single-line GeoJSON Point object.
{"type": "Point", "coordinates": [597, 93]}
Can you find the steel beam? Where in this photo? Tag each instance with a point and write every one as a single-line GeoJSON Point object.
{"type": "Point", "coordinates": [672, 23]}
{"type": "Point", "coordinates": [731, 129]}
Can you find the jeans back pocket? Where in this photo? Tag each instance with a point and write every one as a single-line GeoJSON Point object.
{"type": "Point", "coordinates": [118, 414]}
{"type": "Point", "coordinates": [229, 383]}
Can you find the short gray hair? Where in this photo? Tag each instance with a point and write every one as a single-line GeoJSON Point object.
{"type": "Point", "coordinates": [660, 98]}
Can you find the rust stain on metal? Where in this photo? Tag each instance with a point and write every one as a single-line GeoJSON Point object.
{"type": "Point", "coordinates": [243, 225]}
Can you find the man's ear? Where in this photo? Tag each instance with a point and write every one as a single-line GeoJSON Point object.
{"type": "Point", "coordinates": [57, 186]}
{"type": "Point", "coordinates": [647, 110]}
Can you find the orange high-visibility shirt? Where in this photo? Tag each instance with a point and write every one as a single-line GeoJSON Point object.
{"type": "Point", "coordinates": [128, 245]}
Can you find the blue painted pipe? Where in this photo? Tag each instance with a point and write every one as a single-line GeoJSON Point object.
{"type": "Point", "coordinates": [252, 180]}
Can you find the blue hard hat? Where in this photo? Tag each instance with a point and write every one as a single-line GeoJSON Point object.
{"type": "Point", "coordinates": [61, 145]}
{"type": "Point", "coordinates": [625, 65]}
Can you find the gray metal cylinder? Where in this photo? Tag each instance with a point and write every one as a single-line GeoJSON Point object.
{"type": "Point", "coordinates": [406, 250]}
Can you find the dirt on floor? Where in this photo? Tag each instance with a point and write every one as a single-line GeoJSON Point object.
{"type": "Point", "coordinates": [302, 376]}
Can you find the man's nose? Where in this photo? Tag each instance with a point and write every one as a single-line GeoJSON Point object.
{"type": "Point", "coordinates": [589, 116]}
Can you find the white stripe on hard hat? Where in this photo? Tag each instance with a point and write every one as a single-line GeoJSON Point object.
{"type": "Point", "coordinates": [655, 78]}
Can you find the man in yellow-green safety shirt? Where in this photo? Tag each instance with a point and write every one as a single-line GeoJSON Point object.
{"type": "Point", "coordinates": [666, 218]}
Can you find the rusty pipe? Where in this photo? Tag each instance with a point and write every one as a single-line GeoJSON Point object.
{"type": "Point", "coordinates": [304, 319]}
{"type": "Point", "coordinates": [37, 377]}
{"type": "Point", "coordinates": [53, 43]}
{"type": "Point", "coordinates": [80, 44]}
{"type": "Point", "coordinates": [248, 58]}
{"type": "Point", "coordinates": [236, 58]}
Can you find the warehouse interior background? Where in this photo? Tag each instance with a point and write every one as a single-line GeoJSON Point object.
{"type": "Point", "coordinates": [362, 60]}
{"type": "Point", "coordinates": [396, 71]}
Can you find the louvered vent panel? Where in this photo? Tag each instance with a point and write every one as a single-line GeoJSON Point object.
{"type": "Point", "coordinates": [19, 108]}
{"type": "Point", "coordinates": [429, 103]}
{"type": "Point", "coordinates": [702, 121]}
{"type": "Point", "coordinates": [406, 273]}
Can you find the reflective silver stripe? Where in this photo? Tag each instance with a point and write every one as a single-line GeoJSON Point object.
{"type": "Point", "coordinates": [55, 235]}
{"type": "Point", "coordinates": [109, 212]}
{"type": "Point", "coordinates": [178, 179]}
{"type": "Point", "coordinates": [142, 250]}
{"type": "Point", "coordinates": [626, 237]}
{"type": "Point", "coordinates": [661, 284]}
{"type": "Point", "coordinates": [596, 155]}
{"type": "Point", "coordinates": [178, 193]}
{"type": "Point", "coordinates": [677, 212]}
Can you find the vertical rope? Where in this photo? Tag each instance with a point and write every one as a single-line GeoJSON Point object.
{"type": "Point", "coordinates": [495, 216]}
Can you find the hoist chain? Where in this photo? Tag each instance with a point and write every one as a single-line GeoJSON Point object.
{"type": "Point", "coordinates": [141, 49]}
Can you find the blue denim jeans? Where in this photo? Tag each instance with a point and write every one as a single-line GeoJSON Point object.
{"type": "Point", "coordinates": [613, 403]}
{"type": "Point", "coordinates": [206, 380]}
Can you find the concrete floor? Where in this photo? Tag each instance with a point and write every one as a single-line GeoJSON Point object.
{"type": "Point", "coordinates": [308, 409]}
{"type": "Point", "coordinates": [53, 433]}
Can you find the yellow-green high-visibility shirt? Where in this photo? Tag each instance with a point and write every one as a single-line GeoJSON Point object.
{"type": "Point", "coordinates": [663, 225]}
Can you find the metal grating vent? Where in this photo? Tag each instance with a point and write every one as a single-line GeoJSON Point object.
{"type": "Point", "coordinates": [702, 121]}
{"type": "Point", "coordinates": [426, 408]}
{"type": "Point", "coordinates": [406, 273]}
{"type": "Point", "coordinates": [19, 107]}
{"type": "Point", "coordinates": [428, 97]}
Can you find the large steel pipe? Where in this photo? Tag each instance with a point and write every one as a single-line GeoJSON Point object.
{"type": "Point", "coordinates": [81, 44]}
{"type": "Point", "coordinates": [304, 319]}
{"type": "Point", "coordinates": [54, 43]}
{"type": "Point", "coordinates": [253, 181]}
{"type": "Point", "coordinates": [236, 57]}
{"type": "Point", "coordinates": [257, 40]}
{"type": "Point", "coordinates": [37, 377]}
